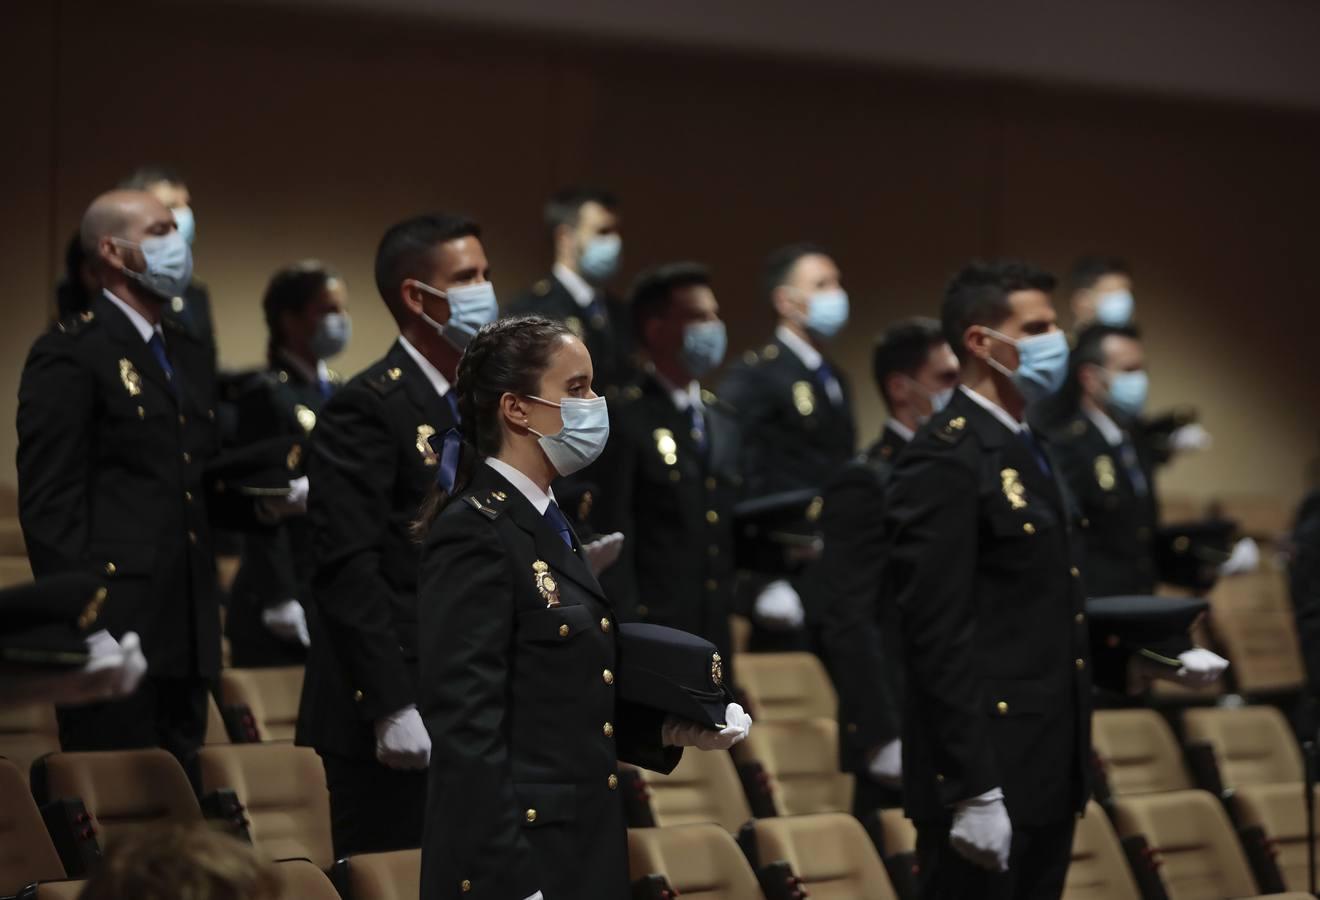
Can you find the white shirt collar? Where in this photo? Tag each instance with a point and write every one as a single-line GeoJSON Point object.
{"type": "Point", "coordinates": [144, 328]}
{"type": "Point", "coordinates": [995, 410]}
{"type": "Point", "coordinates": [575, 284]}
{"type": "Point", "coordinates": [438, 381]}
{"type": "Point", "coordinates": [803, 350]}
{"type": "Point", "coordinates": [684, 398]}
{"type": "Point", "coordinates": [1107, 427]}
{"type": "Point", "coordinates": [898, 428]}
{"type": "Point", "coordinates": [528, 488]}
{"type": "Point", "coordinates": [320, 373]}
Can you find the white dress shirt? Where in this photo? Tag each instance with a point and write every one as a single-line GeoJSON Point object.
{"type": "Point", "coordinates": [576, 285]}
{"type": "Point", "coordinates": [995, 410]}
{"type": "Point", "coordinates": [1107, 427]}
{"type": "Point", "coordinates": [528, 488]}
{"type": "Point", "coordinates": [320, 373]}
{"type": "Point", "coordinates": [144, 328]}
{"type": "Point", "coordinates": [898, 428]}
{"type": "Point", "coordinates": [438, 381]}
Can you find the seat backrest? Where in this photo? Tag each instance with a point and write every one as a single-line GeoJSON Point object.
{"type": "Point", "coordinates": [802, 760]}
{"type": "Point", "coordinates": [1200, 856]}
{"type": "Point", "coordinates": [123, 790]}
{"type": "Point", "coordinates": [26, 852]}
{"type": "Point", "coordinates": [900, 835]}
{"type": "Point", "coordinates": [59, 890]}
{"type": "Point", "coordinates": [781, 686]}
{"type": "Point", "coordinates": [271, 694]}
{"type": "Point", "coordinates": [14, 570]}
{"type": "Point", "coordinates": [11, 537]}
{"type": "Point", "coordinates": [1252, 620]}
{"type": "Point", "coordinates": [1139, 751]}
{"type": "Point", "coordinates": [282, 787]}
{"type": "Point", "coordinates": [1280, 810]}
{"type": "Point", "coordinates": [303, 880]}
{"type": "Point", "coordinates": [385, 876]}
{"type": "Point", "coordinates": [701, 862]}
{"type": "Point", "coordinates": [28, 732]}
{"type": "Point", "coordinates": [1252, 744]}
{"type": "Point", "coordinates": [831, 853]}
{"type": "Point", "coordinates": [1099, 870]}
{"type": "Point", "coordinates": [216, 732]}
{"type": "Point", "coordinates": [703, 788]}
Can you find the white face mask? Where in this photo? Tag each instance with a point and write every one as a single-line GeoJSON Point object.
{"type": "Point", "coordinates": [937, 399]}
{"type": "Point", "coordinates": [582, 439]}
{"type": "Point", "coordinates": [168, 260]}
{"type": "Point", "coordinates": [470, 307]}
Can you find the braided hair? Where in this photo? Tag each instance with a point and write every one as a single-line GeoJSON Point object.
{"type": "Point", "coordinates": [289, 291]}
{"type": "Point", "coordinates": [505, 357]}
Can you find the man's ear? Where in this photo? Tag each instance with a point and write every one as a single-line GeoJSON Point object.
{"type": "Point", "coordinates": [977, 341]}
{"type": "Point", "coordinates": [784, 299]}
{"type": "Point", "coordinates": [897, 387]}
{"type": "Point", "coordinates": [111, 254]}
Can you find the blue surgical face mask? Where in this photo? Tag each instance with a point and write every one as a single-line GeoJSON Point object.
{"type": "Point", "coordinates": [827, 312]}
{"type": "Point", "coordinates": [1042, 362]}
{"type": "Point", "coordinates": [169, 264]}
{"type": "Point", "coordinates": [704, 344]}
{"type": "Point", "coordinates": [582, 439]}
{"type": "Point", "coordinates": [186, 222]}
{"type": "Point", "coordinates": [600, 258]}
{"type": "Point", "coordinates": [937, 399]}
{"type": "Point", "coordinates": [1127, 392]}
{"type": "Point", "coordinates": [331, 335]}
{"type": "Point", "coordinates": [470, 307]}
{"type": "Point", "coordinates": [1115, 308]}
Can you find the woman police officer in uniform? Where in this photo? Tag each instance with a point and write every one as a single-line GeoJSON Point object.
{"type": "Point", "coordinates": [517, 642]}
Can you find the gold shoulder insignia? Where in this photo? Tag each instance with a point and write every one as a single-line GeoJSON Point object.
{"type": "Point", "coordinates": [177, 304]}
{"type": "Point", "coordinates": [632, 392]}
{"type": "Point", "coordinates": [542, 287]}
{"type": "Point", "coordinates": [953, 430]}
{"type": "Point", "coordinates": [709, 398]}
{"type": "Point", "coordinates": [490, 512]}
{"type": "Point", "coordinates": [283, 376]}
{"type": "Point", "coordinates": [771, 351]}
{"type": "Point", "coordinates": [394, 374]}
{"type": "Point", "coordinates": [574, 325]}
{"type": "Point", "coordinates": [334, 376]}
{"type": "Point", "coordinates": [1078, 428]}
{"type": "Point", "coordinates": [750, 358]}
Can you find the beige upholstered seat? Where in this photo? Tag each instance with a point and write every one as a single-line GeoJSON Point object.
{"type": "Point", "coordinates": [216, 733]}
{"type": "Point", "coordinates": [830, 853]}
{"type": "Point", "coordinates": [1252, 744]}
{"type": "Point", "coordinates": [1139, 752]}
{"type": "Point", "coordinates": [1280, 810]}
{"type": "Point", "coordinates": [59, 890]}
{"type": "Point", "coordinates": [303, 880]}
{"type": "Point", "coordinates": [272, 695]}
{"type": "Point", "coordinates": [782, 686]}
{"type": "Point", "coordinates": [802, 760]}
{"type": "Point", "coordinates": [26, 851]}
{"type": "Point", "coordinates": [1099, 870]}
{"type": "Point", "coordinates": [282, 787]}
{"type": "Point", "coordinates": [703, 788]}
{"type": "Point", "coordinates": [701, 862]}
{"type": "Point", "coordinates": [26, 733]}
{"type": "Point", "coordinates": [384, 876]}
{"type": "Point", "coordinates": [1252, 620]}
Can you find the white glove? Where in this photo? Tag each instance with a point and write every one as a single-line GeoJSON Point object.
{"type": "Point", "coordinates": [288, 622]}
{"type": "Point", "coordinates": [603, 552]}
{"type": "Point", "coordinates": [1244, 558]}
{"type": "Point", "coordinates": [682, 733]}
{"type": "Point", "coordinates": [402, 741]}
{"type": "Point", "coordinates": [113, 670]}
{"type": "Point", "coordinates": [1191, 437]}
{"type": "Point", "coordinates": [1199, 667]}
{"type": "Point", "coordinates": [778, 606]}
{"type": "Point", "coordinates": [886, 763]}
{"type": "Point", "coordinates": [982, 833]}
{"type": "Point", "coordinates": [537, 896]}
{"type": "Point", "coordinates": [272, 509]}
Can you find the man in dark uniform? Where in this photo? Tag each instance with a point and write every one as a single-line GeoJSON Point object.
{"type": "Point", "coordinates": [669, 474]}
{"type": "Point", "coordinates": [1107, 469]}
{"type": "Point", "coordinates": [998, 694]}
{"type": "Point", "coordinates": [850, 614]}
{"type": "Point", "coordinates": [795, 409]}
{"type": "Point", "coordinates": [584, 231]}
{"type": "Point", "coordinates": [116, 421]}
{"type": "Point", "coordinates": [372, 463]}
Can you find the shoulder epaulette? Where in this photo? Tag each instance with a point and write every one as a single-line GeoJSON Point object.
{"type": "Point", "coordinates": [630, 394]}
{"type": "Point", "coordinates": [334, 377]}
{"type": "Point", "coordinates": [952, 431]}
{"type": "Point", "coordinates": [714, 402]}
{"type": "Point", "coordinates": [76, 323]}
{"type": "Point", "coordinates": [491, 505]}
{"type": "Point", "coordinates": [542, 287]}
{"type": "Point", "coordinates": [386, 381]}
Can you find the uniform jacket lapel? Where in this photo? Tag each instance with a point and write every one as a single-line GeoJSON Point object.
{"type": "Point", "coordinates": [135, 349]}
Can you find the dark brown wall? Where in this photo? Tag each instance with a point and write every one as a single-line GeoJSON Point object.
{"type": "Point", "coordinates": [306, 136]}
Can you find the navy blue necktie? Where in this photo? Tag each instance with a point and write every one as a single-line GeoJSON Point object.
{"type": "Point", "coordinates": [157, 345]}
{"type": "Point", "coordinates": [323, 385]}
{"type": "Point", "coordinates": [451, 443]}
{"type": "Point", "coordinates": [555, 516]}
{"type": "Point", "coordinates": [698, 428]}
{"type": "Point", "coordinates": [824, 376]}
{"type": "Point", "coordinates": [1036, 451]}
{"type": "Point", "coordinates": [1127, 454]}
{"type": "Point", "coordinates": [596, 313]}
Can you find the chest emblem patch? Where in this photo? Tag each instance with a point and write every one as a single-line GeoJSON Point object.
{"type": "Point", "coordinates": [424, 435]}
{"type": "Point", "coordinates": [306, 418]}
{"type": "Point", "coordinates": [804, 398]}
{"type": "Point", "coordinates": [130, 377]}
{"type": "Point", "coordinates": [1104, 472]}
{"type": "Point", "coordinates": [665, 445]}
{"type": "Point", "coordinates": [545, 583]}
{"type": "Point", "coordinates": [1015, 492]}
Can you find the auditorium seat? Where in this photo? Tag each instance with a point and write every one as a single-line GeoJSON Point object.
{"type": "Point", "coordinates": [1099, 870]}
{"type": "Point", "coordinates": [14, 570]}
{"type": "Point", "coordinates": [216, 732]}
{"type": "Point", "coordinates": [123, 790]}
{"type": "Point", "coordinates": [282, 788]}
{"type": "Point", "coordinates": [700, 862]}
{"type": "Point", "coordinates": [703, 788]}
{"type": "Point", "coordinates": [271, 695]}
{"type": "Point", "coordinates": [1252, 620]}
{"type": "Point", "coordinates": [55, 890]}
{"type": "Point", "coordinates": [783, 686]}
{"type": "Point", "coordinates": [830, 854]}
{"type": "Point", "coordinates": [801, 759]}
{"type": "Point", "coordinates": [301, 879]}
{"type": "Point", "coordinates": [26, 733]}
{"type": "Point", "coordinates": [26, 851]}
{"type": "Point", "coordinates": [11, 538]}
{"type": "Point", "coordinates": [1139, 752]}
{"type": "Point", "coordinates": [1252, 744]}
{"type": "Point", "coordinates": [1280, 811]}
{"type": "Point", "coordinates": [380, 876]}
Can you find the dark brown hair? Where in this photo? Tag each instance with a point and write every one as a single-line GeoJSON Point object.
{"type": "Point", "coordinates": [178, 862]}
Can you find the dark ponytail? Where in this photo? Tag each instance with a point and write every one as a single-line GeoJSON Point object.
{"type": "Point", "coordinates": [505, 357]}
{"type": "Point", "coordinates": [290, 290]}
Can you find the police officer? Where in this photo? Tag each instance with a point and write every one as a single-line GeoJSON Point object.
{"type": "Point", "coordinates": [669, 474]}
{"type": "Point", "coordinates": [998, 695]}
{"type": "Point", "coordinates": [588, 248]}
{"type": "Point", "coordinates": [849, 611]}
{"type": "Point", "coordinates": [305, 308]}
{"type": "Point", "coordinates": [116, 422]}
{"type": "Point", "coordinates": [518, 642]}
{"type": "Point", "coordinates": [372, 463]}
{"type": "Point", "coordinates": [795, 408]}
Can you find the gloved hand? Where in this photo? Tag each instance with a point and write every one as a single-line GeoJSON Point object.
{"type": "Point", "coordinates": [273, 509]}
{"type": "Point", "coordinates": [536, 896]}
{"type": "Point", "coordinates": [1200, 667]}
{"type": "Point", "coordinates": [886, 763]}
{"type": "Point", "coordinates": [678, 732]}
{"type": "Point", "coordinates": [1244, 558]}
{"type": "Point", "coordinates": [778, 606]}
{"type": "Point", "coordinates": [1190, 437]}
{"type": "Point", "coordinates": [402, 741]}
{"type": "Point", "coordinates": [982, 833]}
{"type": "Point", "coordinates": [603, 552]}
{"type": "Point", "coordinates": [288, 622]}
